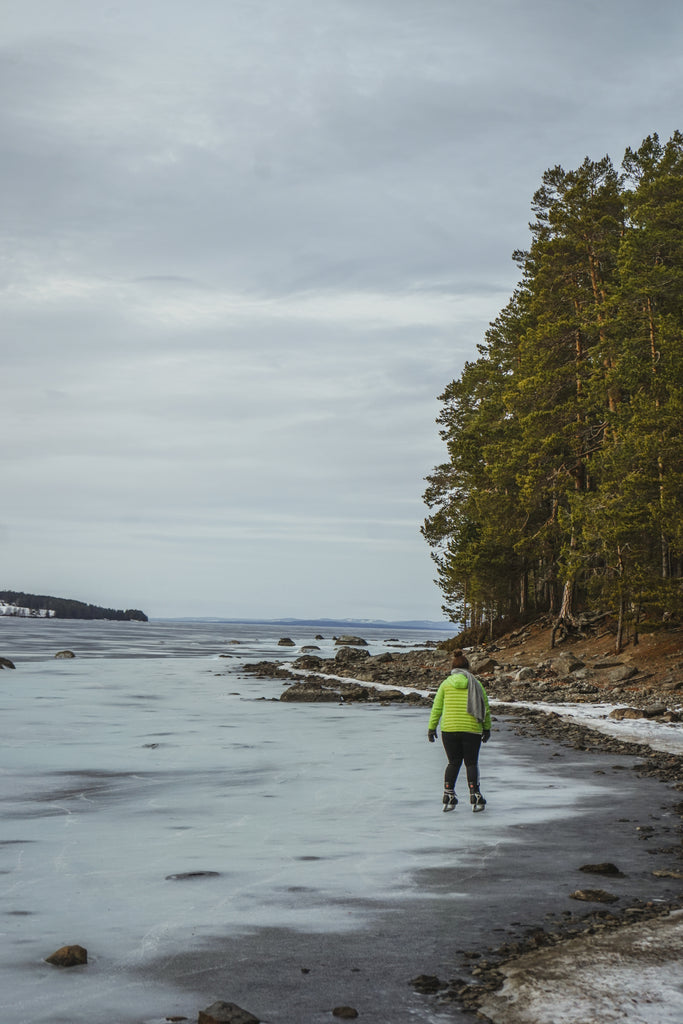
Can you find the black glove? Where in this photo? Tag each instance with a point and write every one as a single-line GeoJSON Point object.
{"type": "Point", "coordinates": [431, 735]}
{"type": "Point", "coordinates": [486, 736]}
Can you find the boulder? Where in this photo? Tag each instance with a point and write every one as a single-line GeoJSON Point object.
{"type": "Point", "coordinates": [357, 640]}
{"type": "Point", "coordinates": [347, 654]}
{"type": "Point", "coordinates": [309, 692]}
{"type": "Point", "coordinates": [6, 663]}
{"type": "Point", "coordinates": [480, 664]}
{"type": "Point", "coordinates": [566, 664]}
{"type": "Point", "coordinates": [594, 896]}
{"type": "Point", "coordinates": [655, 710]}
{"type": "Point", "coordinates": [620, 713]}
{"type": "Point", "coordinates": [524, 674]}
{"type": "Point", "coordinates": [286, 641]}
{"type": "Point", "coordinates": [226, 1013]}
{"type": "Point", "coordinates": [605, 868]}
{"type": "Point", "coordinates": [309, 647]}
{"type": "Point", "coordinates": [65, 654]}
{"type": "Point", "coordinates": [621, 672]}
{"type": "Point", "coordinates": [345, 1012]}
{"type": "Point", "coordinates": [426, 983]}
{"type": "Point", "coordinates": [68, 956]}
{"type": "Point", "coordinates": [309, 662]}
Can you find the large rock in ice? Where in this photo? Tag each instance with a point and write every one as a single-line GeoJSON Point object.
{"type": "Point", "coordinates": [6, 663]}
{"type": "Point", "coordinates": [68, 956]}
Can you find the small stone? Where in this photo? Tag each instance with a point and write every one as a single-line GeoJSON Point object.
{"type": "Point", "coordinates": [68, 956]}
{"type": "Point", "coordinates": [65, 654]}
{"type": "Point", "coordinates": [594, 896]}
{"type": "Point", "coordinates": [426, 983]}
{"type": "Point", "coordinates": [226, 1013]}
{"type": "Point", "coordinates": [286, 641]}
{"type": "Point", "coordinates": [620, 713]}
{"type": "Point", "coordinates": [183, 875]}
{"type": "Point", "coordinates": [605, 868]}
{"type": "Point", "coordinates": [346, 1012]}
{"type": "Point", "coordinates": [6, 663]}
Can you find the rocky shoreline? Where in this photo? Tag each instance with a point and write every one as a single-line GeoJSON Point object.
{"type": "Point", "coordinates": [410, 677]}
{"type": "Point", "coordinates": [514, 681]}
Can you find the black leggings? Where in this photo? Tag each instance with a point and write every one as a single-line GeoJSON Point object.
{"type": "Point", "coordinates": [459, 747]}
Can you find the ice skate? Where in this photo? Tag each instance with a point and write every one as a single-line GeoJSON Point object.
{"type": "Point", "coordinates": [477, 800]}
{"type": "Point", "coordinates": [449, 800]}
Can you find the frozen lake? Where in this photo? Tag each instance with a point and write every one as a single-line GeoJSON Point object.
{"type": "Point", "coordinates": [332, 875]}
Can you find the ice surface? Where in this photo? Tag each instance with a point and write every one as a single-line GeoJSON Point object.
{"type": "Point", "coordinates": [119, 772]}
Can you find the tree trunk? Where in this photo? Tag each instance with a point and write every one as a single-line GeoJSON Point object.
{"type": "Point", "coordinates": [620, 625]}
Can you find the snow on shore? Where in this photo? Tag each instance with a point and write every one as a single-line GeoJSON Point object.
{"type": "Point", "coordinates": [27, 613]}
{"type": "Point", "coordinates": [664, 736]}
{"type": "Point", "coordinates": [631, 975]}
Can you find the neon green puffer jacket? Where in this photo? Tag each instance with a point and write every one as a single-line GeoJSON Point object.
{"type": "Point", "coordinates": [450, 705]}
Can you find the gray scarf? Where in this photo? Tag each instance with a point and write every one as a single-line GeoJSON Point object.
{"type": "Point", "coordinates": [476, 705]}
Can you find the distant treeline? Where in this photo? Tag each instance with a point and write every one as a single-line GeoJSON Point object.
{"type": "Point", "coordinates": [563, 489]}
{"type": "Point", "coordinates": [65, 608]}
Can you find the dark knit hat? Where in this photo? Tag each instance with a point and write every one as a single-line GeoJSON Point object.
{"type": "Point", "coordinates": [459, 660]}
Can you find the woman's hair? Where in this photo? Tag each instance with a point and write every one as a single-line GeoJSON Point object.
{"type": "Point", "coordinates": [459, 660]}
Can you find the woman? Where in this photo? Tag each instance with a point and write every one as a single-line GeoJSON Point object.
{"type": "Point", "coordinates": [463, 707]}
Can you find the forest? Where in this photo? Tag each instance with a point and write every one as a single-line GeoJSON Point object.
{"type": "Point", "coordinates": [65, 608]}
{"type": "Point", "coordinates": [563, 490]}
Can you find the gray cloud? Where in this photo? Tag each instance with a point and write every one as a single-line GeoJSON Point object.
{"type": "Point", "coordinates": [247, 245]}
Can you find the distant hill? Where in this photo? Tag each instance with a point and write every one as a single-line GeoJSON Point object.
{"type": "Point", "coordinates": [327, 623]}
{"type": "Point", "coordinates": [13, 602]}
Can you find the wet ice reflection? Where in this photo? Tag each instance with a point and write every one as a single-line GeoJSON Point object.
{"type": "Point", "coordinates": [118, 774]}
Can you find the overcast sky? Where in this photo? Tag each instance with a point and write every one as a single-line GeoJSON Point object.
{"type": "Point", "coordinates": [247, 243]}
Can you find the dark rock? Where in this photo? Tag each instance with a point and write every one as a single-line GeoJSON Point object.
{"type": "Point", "coordinates": [65, 654]}
{"type": "Point", "coordinates": [594, 896]}
{"type": "Point", "coordinates": [566, 664]}
{"type": "Point", "coordinates": [183, 875]}
{"type": "Point", "coordinates": [68, 956]}
{"type": "Point", "coordinates": [309, 662]}
{"type": "Point", "coordinates": [389, 695]}
{"type": "Point", "coordinates": [346, 1012]}
{"type": "Point", "coordinates": [226, 1013]}
{"type": "Point", "coordinates": [357, 640]}
{"type": "Point", "coordinates": [653, 710]}
{"type": "Point", "coordinates": [480, 664]}
{"type": "Point", "coordinates": [285, 641]}
{"type": "Point", "coordinates": [426, 983]}
{"type": "Point", "coordinates": [606, 868]}
{"type": "Point", "coordinates": [310, 692]}
{"type": "Point", "coordinates": [309, 647]}
{"type": "Point", "coordinates": [383, 659]}
{"type": "Point", "coordinates": [347, 654]}
{"type": "Point", "coordinates": [6, 663]}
